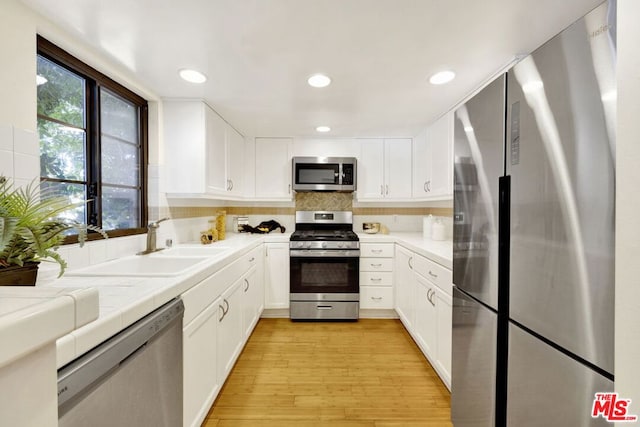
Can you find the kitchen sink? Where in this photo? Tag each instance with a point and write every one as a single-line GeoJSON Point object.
{"type": "Point", "coordinates": [147, 266]}
{"type": "Point", "coordinates": [193, 251]}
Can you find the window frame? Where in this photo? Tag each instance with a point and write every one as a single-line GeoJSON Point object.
{"type": "Point", "coordinates": [94, 80]}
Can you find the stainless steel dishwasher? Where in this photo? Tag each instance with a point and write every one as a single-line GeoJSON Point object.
{"type": "Point", "coordinates": [132, 379]}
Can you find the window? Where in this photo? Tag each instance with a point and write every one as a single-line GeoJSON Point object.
{"type": "Point", "coordinates": [93, 141]}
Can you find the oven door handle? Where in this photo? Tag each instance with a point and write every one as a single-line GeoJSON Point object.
{"type": "Point", "coordinates": [351, 253]}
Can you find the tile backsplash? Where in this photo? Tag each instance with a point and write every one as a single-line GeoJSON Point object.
{"type": "Point", "coordinates": [317, 201]}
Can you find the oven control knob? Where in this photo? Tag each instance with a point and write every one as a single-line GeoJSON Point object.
{"type": "Point", "coordinates": [307, 245]}
{"type": "Point", "coordinates": [324, 244]}
{"type": "Point", "coordinates": [340, 244]}
{"type": "Point", "coordinates": [300, 244]}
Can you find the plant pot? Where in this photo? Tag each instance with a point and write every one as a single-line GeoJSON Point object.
{"type": "Point", "coordinates": [19, 276]}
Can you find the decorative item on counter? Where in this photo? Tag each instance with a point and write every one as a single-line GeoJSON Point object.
{"type": "Point", "coordinates": [32, 227]}
{"type": "Point", "coordinates": [384, 229]}
{"type": "Point", "coordinates": [427, 223]}
{"type": "Point", "coordinates": [240, 222]}
{"type": "Point", "coordinates": [438, 231]}
{"type": "Point", "coordinates": [221, 224]}
{"type": "Point", "coordinates": [371, 227]}
{"type": "Point", "coordinates": [264, 227]}
{"type": "Point", "coordinates": [209, 236]}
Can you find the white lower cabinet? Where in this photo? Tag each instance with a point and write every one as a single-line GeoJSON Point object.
{"type": "Point", "coordinates": [425, 323]}
{"type": "Point", "coordinates": [230, 337]}
{"type": "Point", "coordinates": [444, 304]}
{"type": "Point", "coordinates": [253, 293]}
{"type": "Point", "coordinates": [423, 303]}
{"type": "Point", "coordinates": [276, 275]}
{"type": "Point", "coordinates": [376, 275]}
{"type": "Point", "coordinates": [200, 380]}
{"type": "Point", "coordinates": [405, 286]}
{"type": "Point", "coordinates": [220, 314]}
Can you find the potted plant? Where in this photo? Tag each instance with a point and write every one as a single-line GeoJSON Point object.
{"type": "Point", "coordinates": [32, 227]}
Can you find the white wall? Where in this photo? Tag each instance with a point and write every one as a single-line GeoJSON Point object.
{"type": "Point", "coordinates": [19, 150]}
{"type": "Point", "coordinates": [627, 336]}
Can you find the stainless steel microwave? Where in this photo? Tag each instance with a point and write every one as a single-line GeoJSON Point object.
{"type": "Point", "coordinates": [324, 174]}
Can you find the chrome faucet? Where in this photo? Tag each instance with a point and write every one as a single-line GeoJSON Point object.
{"type": "Point", "coordinates": [152, 229]}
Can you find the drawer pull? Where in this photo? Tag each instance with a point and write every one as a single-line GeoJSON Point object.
{"type": "Point", "coordinates": [432, 274]}
{"type": "Point", "coordinates": [252, 259]}
{"type": "Point", "coordinates": [324, 307]}
{"type": "Point", "coordinates": [376, 265]}
{"type": "Point", "coordinates": [376, 279]}
{"type": "Point", "coordinates": [376, 251]}
{"type": "Point", "coordinates": [376, 298]}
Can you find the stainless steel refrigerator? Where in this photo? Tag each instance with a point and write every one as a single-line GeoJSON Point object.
{"type": "Point", "coordinates": [534, 221]}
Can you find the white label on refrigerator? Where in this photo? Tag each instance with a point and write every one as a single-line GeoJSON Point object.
{"type": "Point", "coordinates": [515, 133]}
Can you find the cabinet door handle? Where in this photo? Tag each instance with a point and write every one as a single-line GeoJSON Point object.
{"type": "Point", "coordinates": [387, 189]}
{"type": "Point", "coordinates": [410, 263]}
{"type": "Point", "coordinates": [376, 298]}
{"type": "Point", "coordinates": [247, 283]}
{"type": "Point", "coordinates": [289, 188]}
{"type": "Point", "coordinates": [231, 183]}
{"type": "Point", "coordinates": [424, 187]}
{"type": "Point", "coordinates": [324, 307]}
{"type": "Point", "coordinates": [430, 294]}
{"type": "Point", "coordinates": [224, 313]}
{"type": "Point", "coordinates": [226, 303]}
{"type": "Point", "coordinates": [435, 276]}
{"type": "Point", "coordinates": [429, 186]}
{"type": "Point", "coordinates": [382, 190]}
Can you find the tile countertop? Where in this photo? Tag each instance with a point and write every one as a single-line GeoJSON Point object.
{"type": "Point", "coordinates": [30, 317]}
{"type": "Point", "coordinates": [125, 299]}
{"type": "Point", "coordinates": [437, 251]}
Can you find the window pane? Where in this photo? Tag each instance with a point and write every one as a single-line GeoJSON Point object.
{"type": "Point", "coordinates": [120, 164]}
{"type": "Point", "coordinates": [120, 208]}
{"type": "Point", "coordinates": [118, 118]}
{"type": "Point", "coordinates": [62, 151]}
{"type": "Point", "coordinates": [62, 95]}
{"type": "Point", "coordinates": [73, 192]}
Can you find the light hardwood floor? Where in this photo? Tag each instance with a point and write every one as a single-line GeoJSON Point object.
{"type": "Point", "coordinates": [366, 373]}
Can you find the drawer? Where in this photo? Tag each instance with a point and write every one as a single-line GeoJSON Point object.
{"type": "Point", "coordinates": [376, 264]}
{"type": "Point", "coordinates": [434, 272]}
{"type": "Point", "coordinates": [372, 278]}
{"type": "Point", "coordinates": [376, 250]}
{"type": "Point", "coordinates": [376, 297]}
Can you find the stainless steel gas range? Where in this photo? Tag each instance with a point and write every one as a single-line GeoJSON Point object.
{"type": "Point", "coordinates": [324, 267]}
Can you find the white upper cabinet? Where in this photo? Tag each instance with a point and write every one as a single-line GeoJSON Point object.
{"type": "Point", "coordinates": [384, 169]}
{"type": "Point", "coordinates": [433, 161]}
{"type": "Point", "coordinates": [204, 155]}
{"type": "Point", "coordinates": [273, 169]}
{"type": "Point", "coordinates": [215, 146]}
{"type": "Point", "coordinates": [235, 162]}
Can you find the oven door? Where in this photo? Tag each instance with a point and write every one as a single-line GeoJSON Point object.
{"type": "Point", "coordinates": [318, 275]}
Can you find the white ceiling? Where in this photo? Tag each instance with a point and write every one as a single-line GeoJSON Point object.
{"type": "Point", "coordinates": [258, 54]}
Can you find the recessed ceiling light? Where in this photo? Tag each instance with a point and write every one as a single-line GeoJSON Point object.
{"type": "Point", "coordinates": [40, 80]}
{"type": "Point", "coordinates": [319, 80]}
{"type": "Point", "coordinates": [323, 129]}
{"type": "Point", "coordinates": [192, 76]}
{"type": "Point", "coordinates": [442, 77]}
